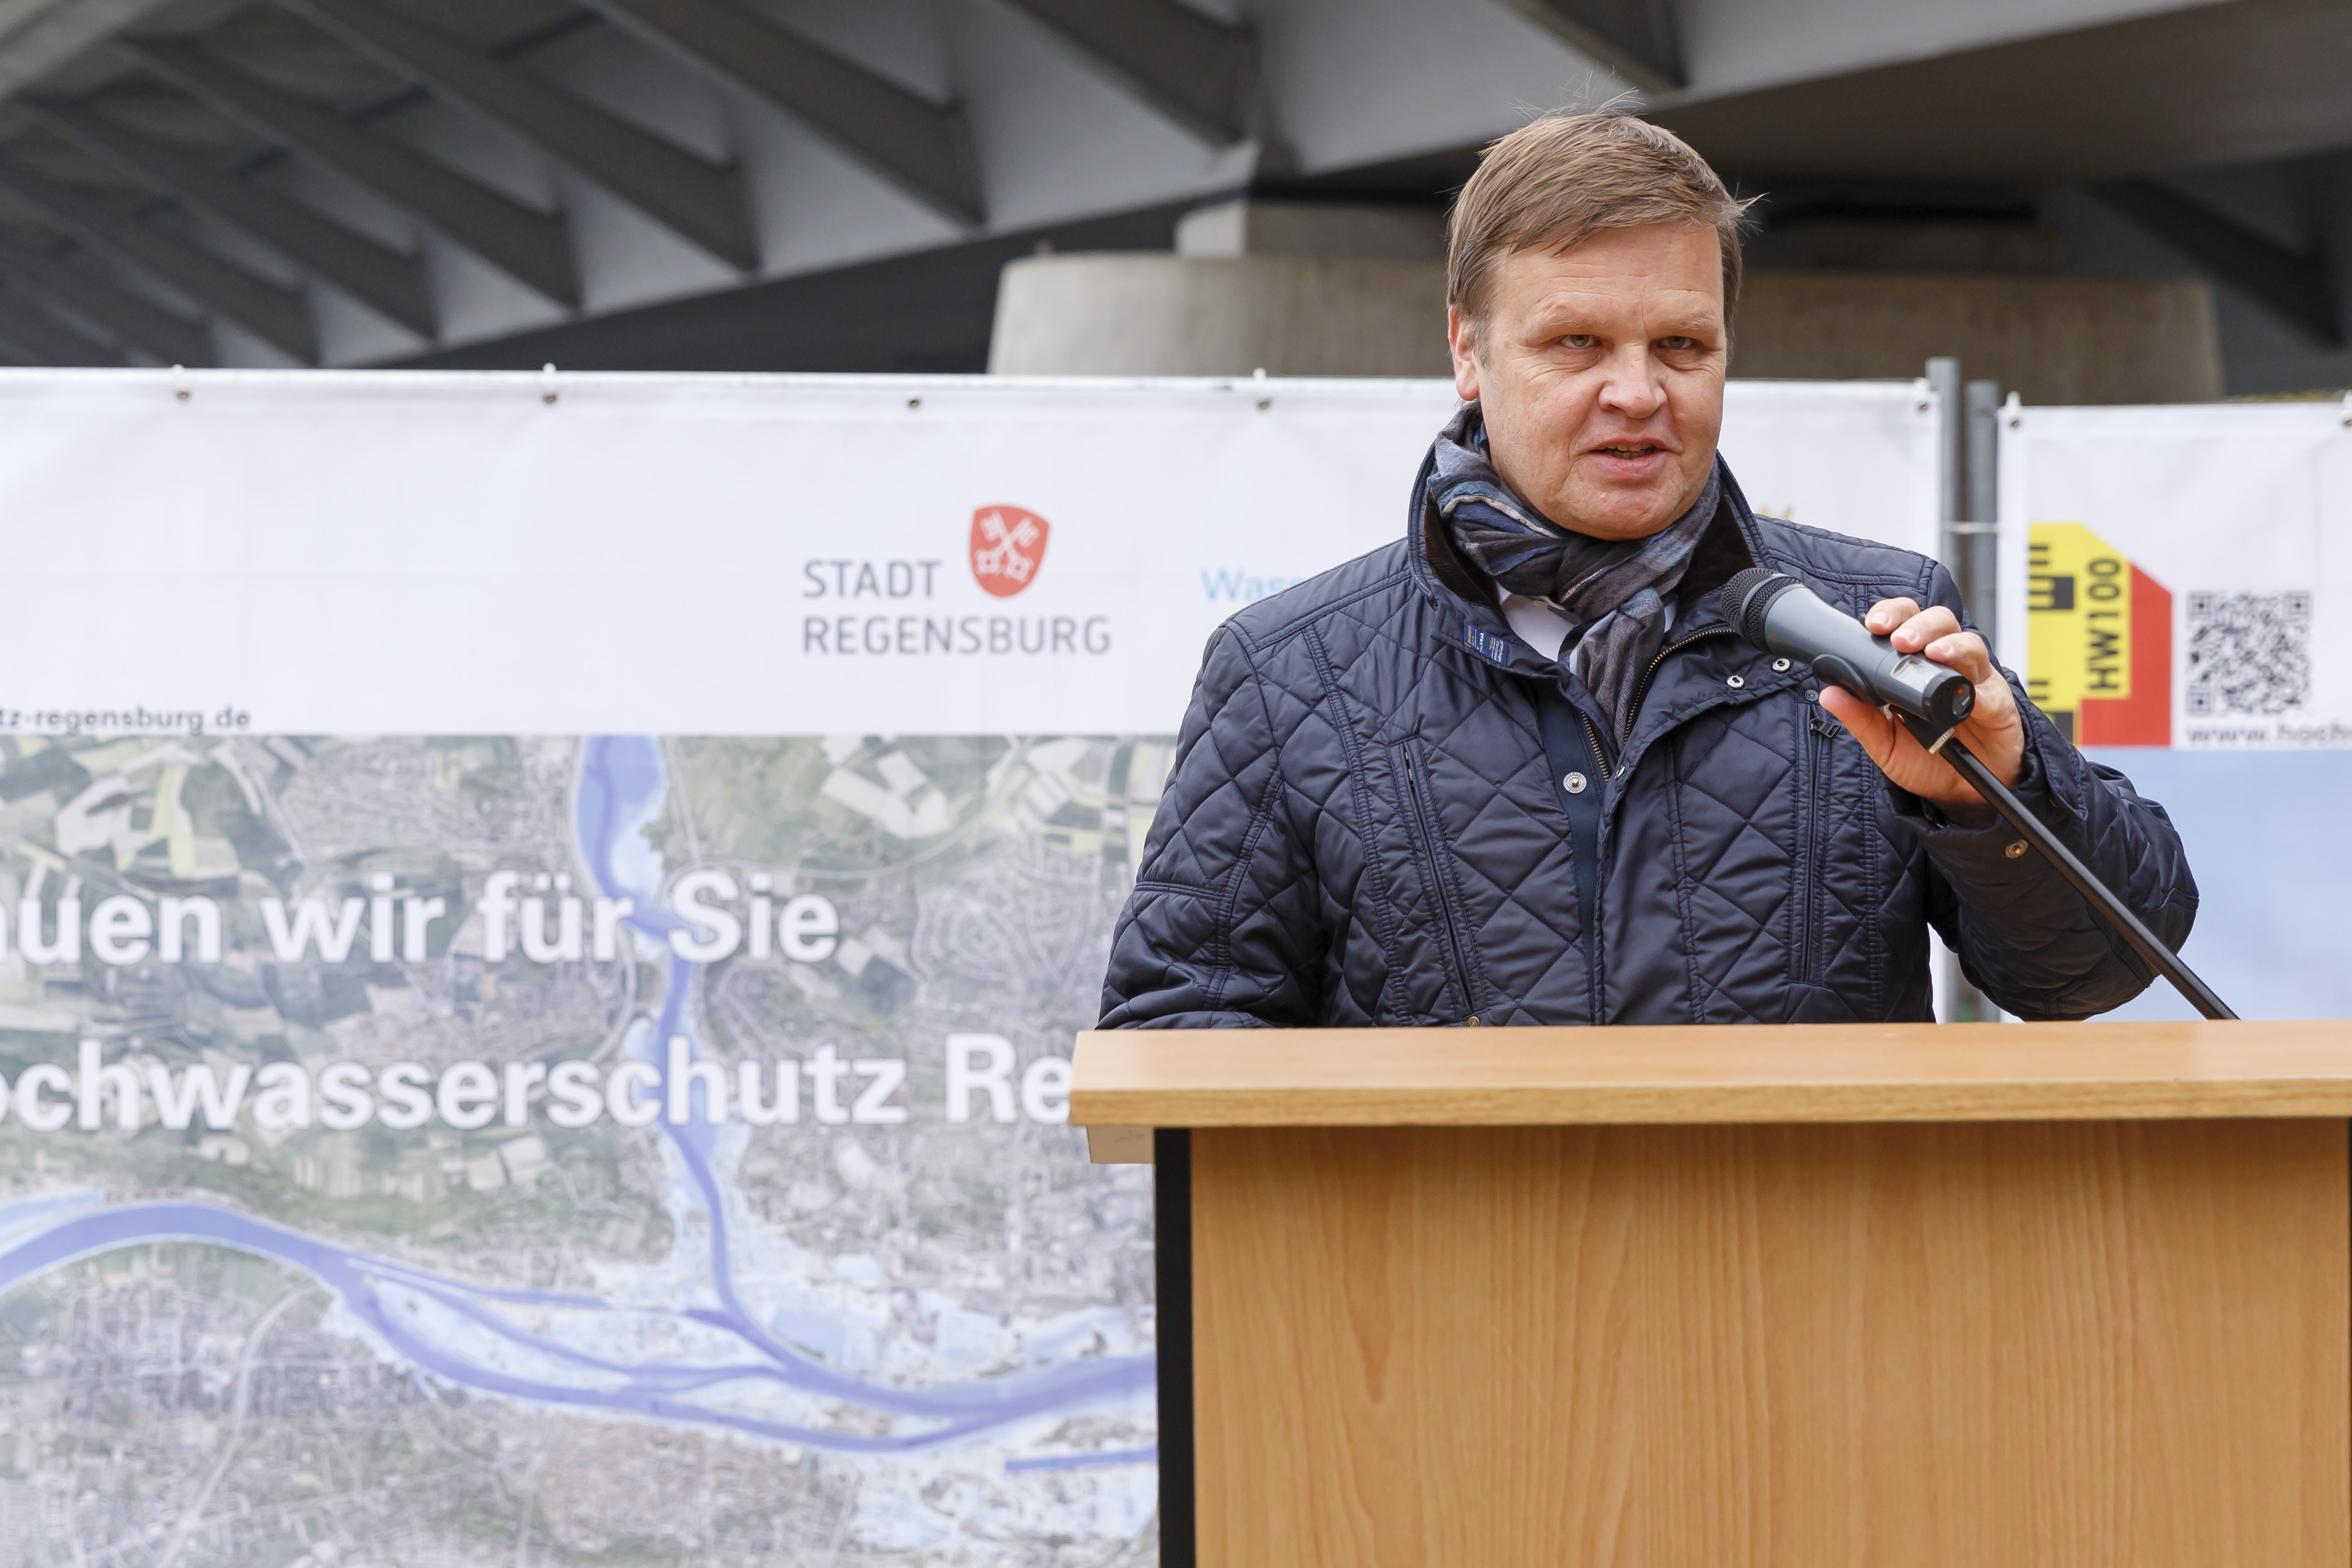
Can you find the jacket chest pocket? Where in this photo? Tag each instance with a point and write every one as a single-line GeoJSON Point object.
{"type": "Point", "coordinates": [1836, 876]}
{"type": "Point", "coordinates": [1428, 865]}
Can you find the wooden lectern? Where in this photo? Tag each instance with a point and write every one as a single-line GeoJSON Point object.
{"type": "Point", "coordinates": [1982, 1296]}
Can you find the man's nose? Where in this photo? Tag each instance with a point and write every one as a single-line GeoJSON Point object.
{"type": "Point", "coordinates": [1630, 385]}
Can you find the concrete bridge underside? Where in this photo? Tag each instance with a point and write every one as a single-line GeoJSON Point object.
{"type": "Point", "coordinates": [812, 185]}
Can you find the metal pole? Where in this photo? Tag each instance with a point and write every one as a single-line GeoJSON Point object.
{"type": "Point", "coordinates": [1963, 1003]}
{"type": "Point", "coordinates": [1979, 530]}
{"type": "Point", "coordinates": [1944, 383]}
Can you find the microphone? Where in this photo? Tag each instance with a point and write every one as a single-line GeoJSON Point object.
{"type": "Point", "coordinates": [1780, 615]}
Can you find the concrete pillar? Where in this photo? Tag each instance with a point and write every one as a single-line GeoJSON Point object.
{"type": "Point", "coordinates": [2051, 340]}
{"type": "Point", "coordinates": [1304, 228]}
{"type": "Point", "coordinates": [1291, 288]}
{"type": "Point", "coordinates": [1129, 315]}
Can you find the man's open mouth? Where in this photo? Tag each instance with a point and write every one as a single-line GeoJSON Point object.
{"type": "Point", "coordinates": [1628, 449]}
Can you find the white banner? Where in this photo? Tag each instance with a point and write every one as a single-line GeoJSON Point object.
{"type": "Point", "coordinates": [2177, 575]}
{"type": "Point", "coordinates": [408, 552]}
{"type": "Point", "coordinates": [562, 1048]}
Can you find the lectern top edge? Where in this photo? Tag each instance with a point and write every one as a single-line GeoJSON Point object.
{"type": "Point", "coordinates": [1503, 1076]}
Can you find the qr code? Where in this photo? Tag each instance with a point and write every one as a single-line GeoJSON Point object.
{"type": "Point", "coordinates": [2248, 652]}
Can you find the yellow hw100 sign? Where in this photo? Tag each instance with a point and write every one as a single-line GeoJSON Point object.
{"type": "Point", "coordinates": [2088, 611]}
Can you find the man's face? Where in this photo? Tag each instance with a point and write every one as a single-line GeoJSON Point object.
{"type": "Point", "coordinates": [1600, 375]}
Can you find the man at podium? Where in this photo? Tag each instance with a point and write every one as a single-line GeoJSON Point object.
{"type": "Point", "coordinates": [1516, 768]}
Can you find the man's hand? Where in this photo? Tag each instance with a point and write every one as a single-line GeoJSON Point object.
{"type": "Point", "coordinates": [1993, 730]}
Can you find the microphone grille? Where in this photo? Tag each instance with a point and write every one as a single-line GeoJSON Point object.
{"type": "Point", "coordinates": [1747, 596]}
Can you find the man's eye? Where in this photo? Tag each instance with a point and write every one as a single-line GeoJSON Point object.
{"type": "Point", "coordinates": [1579, 341]}
{"type": "Point", "coordinates": [1675, 345]}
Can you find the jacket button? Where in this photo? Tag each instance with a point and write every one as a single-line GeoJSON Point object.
{"type": "Point", "coordinates": [1574, 783]}
{"type": "Point", "coordinates": [1812, 696]}
{"type": "Point", "coordinates": [1779, 665]}
{"type": "Point", "coordinates": [1472, 1020]}
{"type": "Point", "coordinates": [2015, 850]}
{"type": "Point", "coordinates": [1735, 682]}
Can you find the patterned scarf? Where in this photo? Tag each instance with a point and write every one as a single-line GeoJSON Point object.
{"type": "Point", "coordinates": [1611, 590]}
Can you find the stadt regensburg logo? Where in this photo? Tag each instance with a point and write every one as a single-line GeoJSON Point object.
{"type": "Point", "coordinates": [1008, 546]}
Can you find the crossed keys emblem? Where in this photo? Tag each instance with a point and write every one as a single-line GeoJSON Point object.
{"type": "Point", "coordinates": [1008, 545]}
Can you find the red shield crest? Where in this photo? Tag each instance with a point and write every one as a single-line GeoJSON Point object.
{"type": "Point", "coordinates": [1008, 546]}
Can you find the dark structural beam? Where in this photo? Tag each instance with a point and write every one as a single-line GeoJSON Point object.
{"type": "Point", "coordinates": [918, 146]}
{"type": "Point", "coordinates": [929, 311]}
{"type": "Point", "coordinates": [2298, 287]}
{"type": "Point", "coordinates": [1191, 67]}
{"type": "Point", "coordinates": [174, 340]}
{"type": "Point", "coordinates": [528, 245]}
{"type": "Point", "coordinates": [279, 316]}
{"type": "Point", "coordinates": [376, 275]}
{"type": "Point", "coordinates": [701, 201]}
{"type": "Point", "coordinates": [48, 340]}
{"type": "Point", "coordinates": [1635, 38]}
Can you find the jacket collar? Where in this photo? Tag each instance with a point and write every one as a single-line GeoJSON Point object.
{"type": "Point", "coordinates": [1730, 545]}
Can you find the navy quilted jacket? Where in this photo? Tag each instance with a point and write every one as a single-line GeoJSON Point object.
{"type": "Point", "coordinates": [1375, 817]}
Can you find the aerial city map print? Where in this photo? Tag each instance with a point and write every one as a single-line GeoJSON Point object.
{"type": "Point", "coordinates": [540, 1151]}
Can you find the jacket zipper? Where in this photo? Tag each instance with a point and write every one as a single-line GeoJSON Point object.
{"type": "Point", "coordinates": [1425, 817]}
{"type": "Point", "coordinates": [1600, 760]}
{"type": "Point", "coordinates": [1808, 845]}
{"type": "Point", "coordinates": [1642, 691]}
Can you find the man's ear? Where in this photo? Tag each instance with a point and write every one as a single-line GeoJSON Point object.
{"type": "Point", "coordinates": [1462, 339]}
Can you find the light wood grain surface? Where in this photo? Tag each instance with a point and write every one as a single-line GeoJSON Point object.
{"type": "Point", "coordinates": [1797, 1072]}
{"type": "Point", "coordinates": [2053, 1346]}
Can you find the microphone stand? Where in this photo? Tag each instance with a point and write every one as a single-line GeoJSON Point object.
{"type": "Point", "coordinates": [2113, 910]}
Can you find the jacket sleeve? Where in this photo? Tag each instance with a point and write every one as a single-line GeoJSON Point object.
{"type": "Point", "coordinates": [2024, 938]}
{"type": "Point", "coordinates": [1221, 930]}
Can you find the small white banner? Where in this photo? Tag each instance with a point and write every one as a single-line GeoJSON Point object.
{"type": "Point", "coordinates": [2177, 575]}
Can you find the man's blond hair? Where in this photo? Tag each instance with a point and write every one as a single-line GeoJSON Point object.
{"type": "Point", "coordinates": [1555, 184]}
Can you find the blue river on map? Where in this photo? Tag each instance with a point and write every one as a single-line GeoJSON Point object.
{"type": "Point", "coordinates": [623, 784]}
